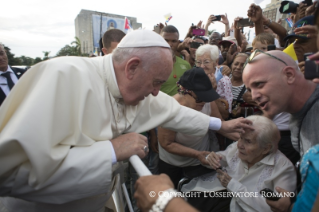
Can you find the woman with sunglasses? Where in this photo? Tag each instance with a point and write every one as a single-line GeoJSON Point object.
{"type": "Point", "coordinates": [183, 155]}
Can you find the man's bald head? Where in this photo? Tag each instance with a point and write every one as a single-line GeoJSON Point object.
{"type": "Point", "coordinates": [271, 63]}
{"type": "Point", "coordinates": [274, 84]}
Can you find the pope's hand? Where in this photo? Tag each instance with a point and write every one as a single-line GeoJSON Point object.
{"type": "Point", "coordinates": [236, 125]}
{"type": "Point", "coordinates": [147, 188]}
{"type": "Point", "coordinates": [129, 144]}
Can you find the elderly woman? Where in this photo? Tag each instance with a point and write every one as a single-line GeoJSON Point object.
{"type": "Point", "coordinates": [183, 155]}
{"type": "Point", "coordinates": [249, 165]}
{"type": "Point", "coordinates": [207, 57]}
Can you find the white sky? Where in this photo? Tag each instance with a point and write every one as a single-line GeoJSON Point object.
{"type": "Point", "coordinates": [29, 27]}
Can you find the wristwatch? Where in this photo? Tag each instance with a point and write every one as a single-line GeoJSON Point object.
{"type": "Point", "coordinates": [164, 199]}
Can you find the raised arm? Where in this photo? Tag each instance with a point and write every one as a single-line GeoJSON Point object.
{"type": "Point", "coordinates": [255, 14]}
{"type": "Point", "coordinates": [276, 28]}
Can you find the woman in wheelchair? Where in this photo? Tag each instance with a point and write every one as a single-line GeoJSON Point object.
{"type": "Point", "coordinates": [246, 167]}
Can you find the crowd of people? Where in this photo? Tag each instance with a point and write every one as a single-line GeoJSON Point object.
{"type": "Point", "coordinates": [208, 113]}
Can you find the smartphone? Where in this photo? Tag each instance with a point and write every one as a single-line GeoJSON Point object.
{"type": "Point", "coordinates": [311, 70]}
{"type": "Point", "coordinates": [245, 23]}
{"type": "Point", "coordinates": [199, 32]}
{"type": "Point", "coordinates": [195, 45]}
{"type": "Point", "coordinates": [218, 18]}
{"type": "Point", "coordinates": [305, 56]}
{"type": "Point", "coordinates": [157, 29]}
{"type": "Point", "coordinates": [269, 194]}
{"type": "Point", "coordinates": [271, 47]}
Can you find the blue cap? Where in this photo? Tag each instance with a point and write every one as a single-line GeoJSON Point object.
{"type": "Point", "coordinates": [308, 20]}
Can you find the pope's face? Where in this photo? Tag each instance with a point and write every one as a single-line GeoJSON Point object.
{"type": "Point", "coordinates": [268, 88]}
{"type": "Point", "coordinates": [147, 82]}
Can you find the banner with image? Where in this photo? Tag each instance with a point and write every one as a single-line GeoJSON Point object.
{"type": "Point", "coordinates": [107, 23]}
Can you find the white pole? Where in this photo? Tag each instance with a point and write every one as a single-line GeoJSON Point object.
{"type": "Point", "coordinates": [139, 166]}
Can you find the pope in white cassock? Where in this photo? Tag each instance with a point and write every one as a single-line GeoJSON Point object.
{"type": "Point", "coordinates": [69, 119]}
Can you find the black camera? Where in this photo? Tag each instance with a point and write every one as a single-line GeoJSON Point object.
{"type": "Point", "coordinates": [291, 7]}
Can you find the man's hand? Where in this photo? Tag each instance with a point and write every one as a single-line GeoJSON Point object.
{"type": "Point", "coordinates": [255, 13]}
{"type": "Point", "coordinates": [186, 43]}
{"type": "Point", "coordinates": [301, 11]}
{"type": "Point", "coordinates": [248, 98]}
{"type": "Point", "coordinates": [146, 186]}
{"type": "Point", "coordinates": [214, 160]}
{"type": "Point", "coordinates": [161, 26]}
{"type": "Point", "coordinates": [281, 205]}
{"type": "Point", "coordinates": [236, 22]}
{"type": "Point", "coordinates": [129, 144]}
{"type": "Point", "coordinates": [230, 56]}
{"type": "Point", "coordinates": [223, 177]}
{"type": "Point", "coordinates": [301, 66]}
{"type": "Point", "coordinates": [210, 20]}
{"type": "Point", "coordinates": [224, 19]}
{"type": "Point", "coordinates": [311, 9]}
{"type": "Point", "coordinates": [236, 125]}
{"type": "Point", "coordinates": [200, 26]}
{"type": "Point", "coordinates": [310, 30]}
{"type": "Point", "coordinates": [202, 157]}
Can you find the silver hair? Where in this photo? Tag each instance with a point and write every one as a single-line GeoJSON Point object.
{"type": "Point", "coordinates": [148, 55]}
{"type": "Point", "coordinates": [267, 132]}
{"type": "Point", "coordinates": [1, 44]}
{"type": "Point", "coordinates": [207, 48]}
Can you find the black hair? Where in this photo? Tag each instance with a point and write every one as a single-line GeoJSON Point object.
{"type": "Point", "coordinates": [170, 29]}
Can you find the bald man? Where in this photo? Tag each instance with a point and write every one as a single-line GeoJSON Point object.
{"type": "Point", "coordinates": [277, 85]}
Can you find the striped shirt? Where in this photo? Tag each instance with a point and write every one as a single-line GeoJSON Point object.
{"type": "Point", "coordinates": [236, 90]}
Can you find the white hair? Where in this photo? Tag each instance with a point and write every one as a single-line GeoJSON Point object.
{"type": "Point", "coordinates": [267, 132]}
{"type": "Point", "coordinates": [207, 48]}
{"type": "Point", "coordinates": [1, 44]}
{"type": "Point", "coordinates": [148, 55]}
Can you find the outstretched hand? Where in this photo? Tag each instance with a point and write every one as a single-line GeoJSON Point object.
{"type": "Point", "coordinates": [236, 125]}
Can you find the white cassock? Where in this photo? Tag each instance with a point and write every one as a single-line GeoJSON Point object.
{"type": "Point", "coordinates": [55, 129]}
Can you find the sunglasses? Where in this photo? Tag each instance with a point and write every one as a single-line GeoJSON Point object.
{"type": "Point", "coordinates": [255, 53]}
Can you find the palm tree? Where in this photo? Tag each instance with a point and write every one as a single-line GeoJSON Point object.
{"type": "Point", "coordinates": [211, 32]}
{"type": "Point", "coordinates": [77, 43]}
{"type": "Point", "coordinates": [46, 55]}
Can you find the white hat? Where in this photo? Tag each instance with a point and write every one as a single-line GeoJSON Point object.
{"type": "Point", "coordinates": [142, 38]}
{"type": "Point", "coordinates": [229, 39]}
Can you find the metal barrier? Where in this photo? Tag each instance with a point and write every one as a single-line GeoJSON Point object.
{"type": "Point", "coordinates": [115, 203]}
